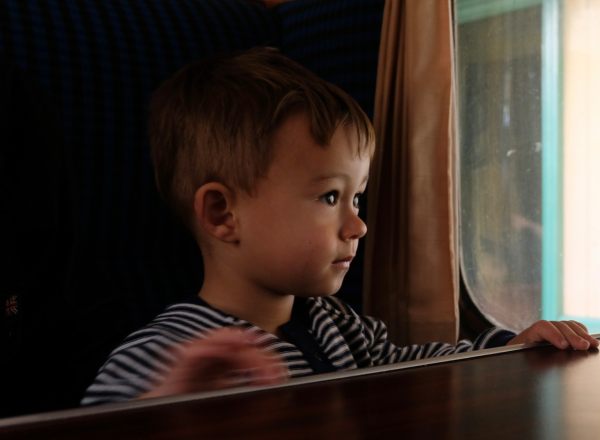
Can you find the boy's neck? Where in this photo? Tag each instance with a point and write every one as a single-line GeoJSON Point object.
{"type": "Point", "coordinates": [266, 310]}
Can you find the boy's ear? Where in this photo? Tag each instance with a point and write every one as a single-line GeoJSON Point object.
{"type": "Point", "coordinates": [213, 204]}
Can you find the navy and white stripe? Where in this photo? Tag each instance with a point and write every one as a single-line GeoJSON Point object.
{"type": "Point", "coordinates": [348, 340]}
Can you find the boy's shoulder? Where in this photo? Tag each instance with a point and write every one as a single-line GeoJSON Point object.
{"type": "Point", "coordinates": [184, 320]}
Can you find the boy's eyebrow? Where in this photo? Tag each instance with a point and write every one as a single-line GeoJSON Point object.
{"type": "Point", "coordinates": [343, 176]}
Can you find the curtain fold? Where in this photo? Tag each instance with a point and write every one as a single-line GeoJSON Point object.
{"type": "Point", "coordinates": [411, 271]}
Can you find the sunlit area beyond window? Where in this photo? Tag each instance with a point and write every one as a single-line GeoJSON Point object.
{"type": "Point", "coordinates": [528, 84]}
{"type": "Point", "coordinates": [581, 152]}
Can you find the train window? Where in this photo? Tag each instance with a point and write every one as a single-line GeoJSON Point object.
{"type": "Point", "coordinates": [528, 87]}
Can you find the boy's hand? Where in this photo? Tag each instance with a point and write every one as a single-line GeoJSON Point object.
{"type": "Point", "coordinates": [227, 358]}
{"type": "Point", "coordinates": [561, 334]}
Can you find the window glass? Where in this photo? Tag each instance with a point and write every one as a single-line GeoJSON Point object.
{"type": "Point", "coordinates": [528, 81]}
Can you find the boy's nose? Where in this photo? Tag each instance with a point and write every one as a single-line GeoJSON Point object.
{"type": "Point", "coordinates": [354, 228]}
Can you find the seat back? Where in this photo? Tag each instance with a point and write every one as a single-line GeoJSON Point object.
{"type": "Point", "coordinates": [97, 253]}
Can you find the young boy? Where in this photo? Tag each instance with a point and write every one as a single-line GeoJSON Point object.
{"type": "Point", "coordinates": [266, 164]}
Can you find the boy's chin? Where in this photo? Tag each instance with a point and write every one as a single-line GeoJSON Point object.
{"type": "Point", "coordinates": [319, 289]}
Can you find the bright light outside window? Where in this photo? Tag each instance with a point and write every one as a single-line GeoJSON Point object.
{"type": "Point", "coordinates": [581, 155]}
{"type": "Point", "coordinates": [528, 81]}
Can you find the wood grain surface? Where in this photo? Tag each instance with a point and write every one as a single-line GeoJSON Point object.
{"type": "Point", "coordinates": [538, 393]}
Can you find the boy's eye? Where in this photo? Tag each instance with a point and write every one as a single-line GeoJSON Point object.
{"type": "Point", "coordinates": [330, 198]}
{"type": "Point", "coordinates": [356, 200]}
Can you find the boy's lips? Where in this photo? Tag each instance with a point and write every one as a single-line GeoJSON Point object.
{"type": "Point", "coordinates": [343, 262]}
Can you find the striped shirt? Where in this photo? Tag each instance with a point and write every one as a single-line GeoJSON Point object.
{"type": "Point", "coordinates": [340, 337]}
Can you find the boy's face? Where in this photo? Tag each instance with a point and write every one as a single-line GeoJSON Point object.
{"type": "Point", "coordinates": [300, 229]}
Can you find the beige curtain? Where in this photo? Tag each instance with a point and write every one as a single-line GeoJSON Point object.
{"type": "Point", "coordinates": [411, 273]}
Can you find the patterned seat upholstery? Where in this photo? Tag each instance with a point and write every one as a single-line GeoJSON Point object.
{"type": "Point", "coordinates": [338, 40]}
{"type": "Point", "coordinates": [105, 255]}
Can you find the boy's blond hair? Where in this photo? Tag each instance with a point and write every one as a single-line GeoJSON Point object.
{"type": "Point", "coordinates": [213, 121]}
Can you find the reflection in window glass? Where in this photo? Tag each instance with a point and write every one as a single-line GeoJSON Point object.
{"type": "Point", "coordinates": [528, 75]}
